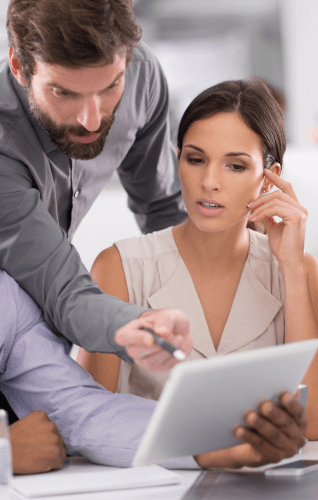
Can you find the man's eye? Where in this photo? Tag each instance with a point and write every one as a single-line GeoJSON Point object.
{"type": "Point", "coordinates": [112, 87]}
{"type": "Point", "coordinates": [61, 93]}
{"type": "Point", "coordinates": [115, 84]}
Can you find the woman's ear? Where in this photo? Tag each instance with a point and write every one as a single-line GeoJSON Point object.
{"type": "Point", "coordinates": [267, 185]}
{"type": "Point", "coordinates": [178, 160]}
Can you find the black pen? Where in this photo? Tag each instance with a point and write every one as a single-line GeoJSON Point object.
{"type": "Point", "coordinates": [177, 353]}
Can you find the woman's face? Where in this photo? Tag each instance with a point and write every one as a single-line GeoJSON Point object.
{"type": "Point", "coordinates": [221, 171]}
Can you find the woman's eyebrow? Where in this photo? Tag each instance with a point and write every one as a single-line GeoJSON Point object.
{"type": "Point", "coordinates": [194, 147]}
{"type": "Point", "coordinates": [239, 153]}
{"type": "Point", "coordinates": [231, 154]}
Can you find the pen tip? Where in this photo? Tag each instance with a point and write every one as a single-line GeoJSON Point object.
{"type": "Point", "coordinates": [179, 355]}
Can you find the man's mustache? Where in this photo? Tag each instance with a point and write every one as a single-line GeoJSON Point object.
{"type": "Point", "coordinates": [81, 131]}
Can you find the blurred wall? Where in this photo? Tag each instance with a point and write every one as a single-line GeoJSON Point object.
{"type": "Point", "coordinates": [204, 42]}
{"type": "Point", "coordinates": [299, 21]}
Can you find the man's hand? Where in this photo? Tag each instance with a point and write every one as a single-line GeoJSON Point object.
{"type": "Point", "coordinates": [170, 324]}
{"type": "Point", "coordinates": [273, 433]}
{"type": "Point", "coordinates": [37, 446]}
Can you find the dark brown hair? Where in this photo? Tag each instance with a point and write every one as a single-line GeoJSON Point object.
{"type": "Point", "coordinates": [71, 33]}
{"type": "Point", "coordinates": [254, 103]}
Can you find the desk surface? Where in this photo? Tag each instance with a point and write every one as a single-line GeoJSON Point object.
{"type": "Point", "coordinates": [174, 492]}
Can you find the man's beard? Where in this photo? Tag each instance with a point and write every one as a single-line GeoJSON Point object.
{"type": "Point", "coordinates": [59, 134]}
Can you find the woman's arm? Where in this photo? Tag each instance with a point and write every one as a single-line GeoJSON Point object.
{"type": "Point", "coordinates": [300, 276]}
{"type": "Point", "coordinates": [109, 275]}
{"type": "Point", "coordinates": [301, 310]}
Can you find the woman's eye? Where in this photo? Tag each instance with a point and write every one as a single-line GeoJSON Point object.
{"type": "Point", "coordinates": [237, 168]}
{"type": "Point", "coordinates": [194, 161]}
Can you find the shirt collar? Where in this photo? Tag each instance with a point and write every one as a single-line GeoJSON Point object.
{"type": "Point", "coordinates": [253, 308]}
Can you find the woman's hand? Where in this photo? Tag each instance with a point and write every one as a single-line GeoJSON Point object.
{"type": "Point", "coordinates": [286, 238]}
{"type": "Point", "coordinates": [273, 433]}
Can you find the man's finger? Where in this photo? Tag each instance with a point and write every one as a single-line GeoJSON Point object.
{"type": "Point", "coordinates": [294, 408]}
{"type": "Point", "coordinates": [131, 335]}
{"type": "Point", "coordinates": [265, 451]}
{"type": "Point", "coordinates": [289, 442]}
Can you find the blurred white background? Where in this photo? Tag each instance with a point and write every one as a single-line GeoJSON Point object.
{"type": "Point", "coordinates": [202, 42]}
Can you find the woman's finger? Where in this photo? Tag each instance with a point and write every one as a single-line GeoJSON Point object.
{"type": "Point", "coordinates": [280, 209]}
{"type": "Point", "coordinates": [276, 195]}
{"type": "Point", "coordinates": [285, 186]}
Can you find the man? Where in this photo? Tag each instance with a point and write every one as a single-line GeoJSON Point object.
{"type": "Point", "coordinates": [78, 100]}
{"type": "Point", "coordinates": [36, 373]}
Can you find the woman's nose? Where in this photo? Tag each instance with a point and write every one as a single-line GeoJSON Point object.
{"type": "Point", "coordinates": [211, 180]}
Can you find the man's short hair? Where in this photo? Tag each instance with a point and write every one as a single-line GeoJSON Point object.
{"type": "Point", "coordinates": [71, 33]}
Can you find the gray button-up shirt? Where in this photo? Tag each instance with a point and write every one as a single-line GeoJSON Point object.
{"type": "Point", "coordinates": [44, 195]}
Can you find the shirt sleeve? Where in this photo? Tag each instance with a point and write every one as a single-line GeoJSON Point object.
{"type": "Point", "coordinates": [38, 374]}
{"type": "Point", "coordinates": [34, 250]}
{"type": "Point", "coordinates": [149, 172]}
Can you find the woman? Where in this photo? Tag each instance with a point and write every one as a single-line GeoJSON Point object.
{"type": "Point", "coordinates": [240, 289]}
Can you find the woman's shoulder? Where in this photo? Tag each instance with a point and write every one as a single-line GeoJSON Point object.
{"type": "Point", "coordinates": [148, 261]}
{"type": "Point", "coordinates": [148, 246]}
{"type": "Point", "coordinates": [259, 246]}
{"type": "Point", "coordinates": [264, 265]}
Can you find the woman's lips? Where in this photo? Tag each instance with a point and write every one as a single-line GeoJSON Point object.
{"type": "Point", "coordinates": [87, 140]}
{"type": "Point", "coordinates": [210, 211]}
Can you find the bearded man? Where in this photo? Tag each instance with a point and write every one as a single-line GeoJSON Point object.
{"type": "Point", "coordinates": [81, 97]}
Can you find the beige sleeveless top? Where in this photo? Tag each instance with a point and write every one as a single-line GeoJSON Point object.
{"type": "Point", "coordinates": [157, 277]}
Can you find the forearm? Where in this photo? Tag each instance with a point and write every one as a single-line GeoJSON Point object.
{"type": "Point", "coordinates": [36, 253]}
{"type": "Point", "coordinates": [300, 317]}
{"type": "Point", "coordinates": [301, 324]}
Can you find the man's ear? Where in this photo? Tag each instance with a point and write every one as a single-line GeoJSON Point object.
{"type": "Point", "coordinates": [267, 185]}
{"type": "Point", "coordinates": [15, 67]}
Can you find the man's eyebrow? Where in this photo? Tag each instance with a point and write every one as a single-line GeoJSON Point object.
{"type": "Point", "coordinates": [64, 89]}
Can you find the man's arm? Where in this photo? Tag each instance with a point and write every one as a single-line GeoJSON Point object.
{"type": "Point", "coordinates": [35, 252]}
{"type": "Point", "coordinates": [38, 375]}
{"type": "Point", "coordinates": [149, 173]}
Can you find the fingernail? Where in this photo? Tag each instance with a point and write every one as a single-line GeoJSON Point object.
{"type": "Point", "coordinates": [269, 407]}
{"type": "Point", "coordinates": [288, 398]}
{"type": "Point", "coordinates": [148, 340]}
{"type": "Point", "coordinates": [239, 432]}
{"type": "Point", "coordinates": [252, 418]}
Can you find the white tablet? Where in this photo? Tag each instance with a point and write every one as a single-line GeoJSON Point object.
{"type": "Point", "coordinates": [204, 400]}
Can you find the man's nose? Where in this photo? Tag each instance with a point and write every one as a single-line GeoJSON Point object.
{"type": "Point", "coordinates": [90, 116]}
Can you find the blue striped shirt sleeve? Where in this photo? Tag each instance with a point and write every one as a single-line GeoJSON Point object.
{"type": "Point", "coordinates": [36, 373]}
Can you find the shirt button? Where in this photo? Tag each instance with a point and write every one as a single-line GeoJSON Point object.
{"type": "Point", "coordinates": [76, 194]}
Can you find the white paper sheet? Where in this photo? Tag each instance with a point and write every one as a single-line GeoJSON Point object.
{"type": "Point", "coordinates": [50, 484]}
